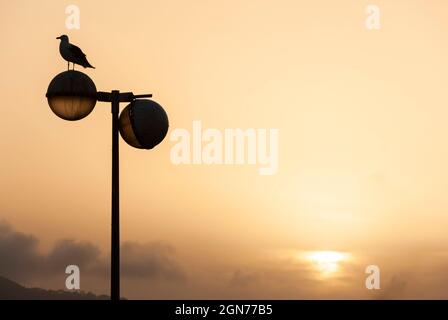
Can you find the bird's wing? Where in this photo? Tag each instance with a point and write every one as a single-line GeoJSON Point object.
{"type": "Point", "coordinates": [76, 51]}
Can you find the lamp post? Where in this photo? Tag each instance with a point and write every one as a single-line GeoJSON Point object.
{"type": "Point", "coordinates": [143, 124]}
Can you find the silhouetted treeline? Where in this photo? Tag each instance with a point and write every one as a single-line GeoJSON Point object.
{"type": "Point", "coordinates": [10, 290]}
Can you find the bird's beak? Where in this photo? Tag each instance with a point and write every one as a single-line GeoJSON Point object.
{"type": "Point", "coordinates": [58, 38]}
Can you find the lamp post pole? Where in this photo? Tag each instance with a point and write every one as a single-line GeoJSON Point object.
{"type": "Point", "coordinates": [115, 97]}
{"type": "Point", "coordinates": [115, 243]}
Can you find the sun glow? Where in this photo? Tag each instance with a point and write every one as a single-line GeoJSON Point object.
{"type": "Point", "coordinates": [326, 262]}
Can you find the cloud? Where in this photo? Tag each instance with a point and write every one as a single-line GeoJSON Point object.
{"type": "Point", "coordinates": [394, 288]}
{"type": "Point", "coordinates": [242, 278]}
{"type": "Point", "coordinates": [18, 253]}
{"type": "Point", "coordinates": [66, 252]}
{"type": "Point", "coordinates": [21, 261]}
{"type": "Point", "coordinates": [149, 260]}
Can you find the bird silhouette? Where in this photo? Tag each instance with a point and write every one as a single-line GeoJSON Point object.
{"type": "Point", "coordinates": [72, 53]}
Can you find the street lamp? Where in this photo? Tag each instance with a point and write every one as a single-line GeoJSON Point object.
{"type": "Point", "coordinates": [71, 95]}
{"type": "Point", "coordinates": [143, 124]}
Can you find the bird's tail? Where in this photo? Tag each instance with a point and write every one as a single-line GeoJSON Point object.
{"type": "Point", "coordinates": [88, 65]}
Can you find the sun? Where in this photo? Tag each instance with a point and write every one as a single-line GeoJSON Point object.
{"type": "Point", "coordinates": [326, 262]}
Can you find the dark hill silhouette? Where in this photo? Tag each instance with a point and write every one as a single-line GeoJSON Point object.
{"type": "Point", "coordinates": [10, 290]}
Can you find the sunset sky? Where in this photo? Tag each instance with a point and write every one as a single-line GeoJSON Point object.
{"type": "Point", "coordinates": [362, 165]}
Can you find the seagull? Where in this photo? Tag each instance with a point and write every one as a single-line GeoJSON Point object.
{"type": "Point", "coordinates": [72, 53]}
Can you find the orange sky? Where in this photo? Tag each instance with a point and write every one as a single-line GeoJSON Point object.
{"type": "Point", "coordinates": [362, 140]}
